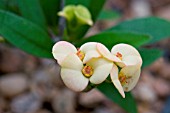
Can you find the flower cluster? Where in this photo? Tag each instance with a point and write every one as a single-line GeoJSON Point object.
{"type": "Point", "coordinates": [93, 62]}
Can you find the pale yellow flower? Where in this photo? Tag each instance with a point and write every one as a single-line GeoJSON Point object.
{"type": "Point", "coordinates": [79, 67]}
{"type": "Point", "coordinates": [129, 60]}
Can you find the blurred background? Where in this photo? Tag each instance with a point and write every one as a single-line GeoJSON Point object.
{"type": "Point", "coordinates": [33, 85]}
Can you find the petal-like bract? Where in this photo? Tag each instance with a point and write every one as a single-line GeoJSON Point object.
{"type": "Point", "coordinates": [61, 49]}
{"type": "Point", "coordinates": [132, 60]}
{"type": "Point", "coordinates": [132, 74]}
{"type": "Point", "coordinates": [72, 61]}
{"type": "Point", "coordinates": [71, 73]}
{"type": "Point", "coordinates": [74, 79]}
{"type": "Point", "coordinates": [90, 51]}
{"type": "Point", "coordinates": [102, 68]}
{"type": "Point", "coordinates": [125, 50]}
{"type": "Point", "coordinates": [115, 80]}
{"type": "Point", "coordinates": [106, 53]}
{"type": "Point", "coordinates": [127, 54]}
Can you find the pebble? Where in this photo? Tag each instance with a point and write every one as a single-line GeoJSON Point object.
{"type": "Point", "coordinates": [162, 87]}
{"type": "Point", "coordinates": [53, 70]}
{"type": "Point", "coordinates": [103, 110]}
{"type": "Point", "coordinates": [3, 105]}
{"type": "Point", "coordinates": [64, 102]}
{"type": "Point", "coordinates": [140, 8]}
{"type": "Point", "coordinates": [26, 103]}
{"type": "Point", "coordinates": [164, 12]}
{"type": "Point", "coordinates": [158, 106]}
{"type": "Point", "coordinates": [42, 84]}
{"type": "Point", "coordinates": [145, 92]}
{"type": "Point", "coordinates": [43, 111]}
{"type": "Point", "coordinates": [20, 60]}
{"type": "Point", "coordinates": [165, 71]}
{"type": "Point", "coordinates": [161, 67]}
{"type": "Point", "coordinates": [13, 84]}
{"type": "Point", "coordinates": [156, 67]}
{"type": "Point", "coordinates": [91, 98]}
{"type": "Point", "coordinates": [10, 56]}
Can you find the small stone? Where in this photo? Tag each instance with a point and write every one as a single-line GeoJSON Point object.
{"type": "Point", "coordinates": [103, 110]}
{"type": "Point", "coordinates": [161, 68]}
{"type": "Point", "coordinates": [145, 92]}
{"type": "Point", "coordinates": [140, 8]}
{"type": "Point", "coordinates": [158, 106]}
{"type": "Point", "coordinates": [3, 105]}
{"type": "Point", "coordinates": [165, 70]}
{"type": "Point", "coordinates": [64, 102]}
{"type": "Point", "coordinates": [145, 108]}
{"type": "Point", "coordinates": [147, 77]}
{"type": "Point", "coordinates": [164, 12]}
{"type": "Point", "coordinates": [27, 103]}
{"type": "Point", "coordinates": [13, 84]}
{"type": "Point", "coordinates": [53, 70]}
{"type": "Point", "coordinates": [11, 60]}
{"type": "Point", "coordinates": [156, 67]}
{"type": "Point", "coordinates": [42, 83]}
{"type": "Point", "coordinates": [43, 111]}
{"type": "Point", "coordinates": [91, 98]}
{"type": "Point", "coordinates": [30, 64]}
{"type": "Point", "coordinates": [14, 60]}
{"type": "Point", "coordinates": [162, 87]}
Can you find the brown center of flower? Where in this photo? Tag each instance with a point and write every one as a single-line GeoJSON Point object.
{"type": "Point", "coordinates": [119, 55]}
{"type": "Point", "coordinates": [80, 54]}
{"type": "Point", "coordinates": [124, 79]}
{"type": "Point", "coordinates": [87, 71]}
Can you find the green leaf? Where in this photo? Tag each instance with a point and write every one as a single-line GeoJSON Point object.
{"type": "Point", "coordinates": [9, 5]}
{"type": "Point", "coordinates": [25, 35]}
{"type": "Point", "coordinates": [77, 2]}
{"type": "Point", "coordinates": [111, 92]}
{"type": "Point", "coordinates": [156, 27]}
{"type": "Point", "coordinates": [2, 4]}
{"type": "Point", "coordinates": [50, 9]}
{"type": "Point", "coordinates": [31, 10]}
{"type": "Point", "coordinates": [149, 55]}
{"type": "Point", "coordinates": [95, 8]}
{"type": "Point", "coordinates": [109, 39]}
{"type": "Point", "coordinates": [108, 15]}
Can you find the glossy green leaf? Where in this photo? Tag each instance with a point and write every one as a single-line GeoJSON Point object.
{"type": "Point", "coordinates": [77, 2]}
{"type": "Point", "coordinates": [111, 92]}
{"type": "Point", "coordinates": [149, 55]}
{"type": "Point", "coordinates": [2, 4]}
{"type": "Point", "coordinates": [25, 35]}
{"type": "Point", "coordinates": [156, 27]}
{"type": "Point", "coordinates": [108, 15]}
{"type": "Point", "coordinates": [111, 38]}
{"type": "Point", "coordinates": [95, 8]}
{"type": "Point", "coordinates": [9, 5]}
{"type": "Point", "coordinates": [50, 9]}
{"type": "Point", "coordinates": [31, 10]}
